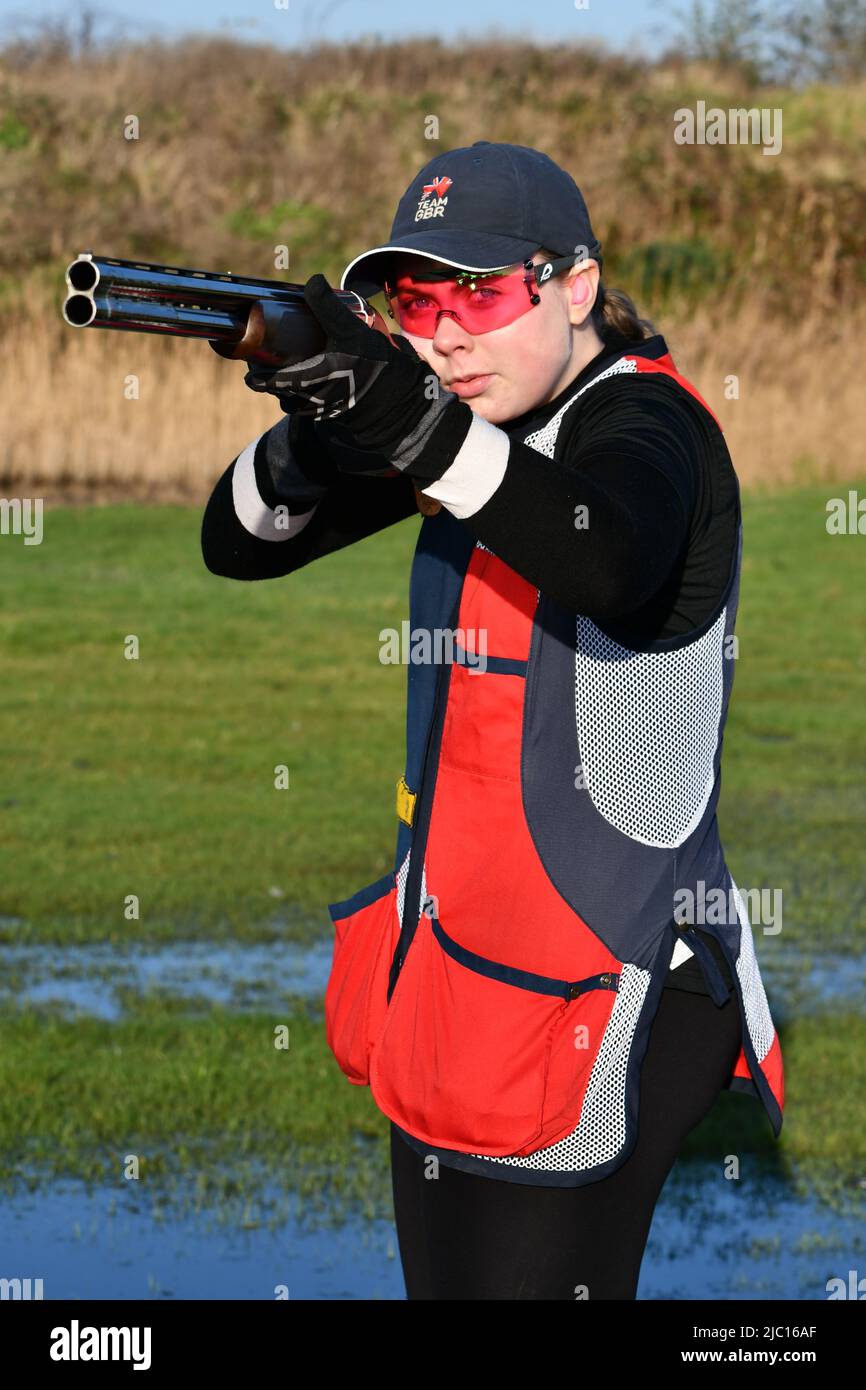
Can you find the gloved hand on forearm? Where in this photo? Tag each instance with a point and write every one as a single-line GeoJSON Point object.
{"type": "Point", "coordinates": [380, 390]}
{"type": "Point", "coordinates": [318, 449]}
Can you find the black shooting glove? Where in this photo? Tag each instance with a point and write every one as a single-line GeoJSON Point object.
{"type": "Point", "coordinates": [385, 394]}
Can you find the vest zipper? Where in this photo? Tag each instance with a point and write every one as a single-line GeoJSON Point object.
{"type": "Point", "coordinates": [567, 990]}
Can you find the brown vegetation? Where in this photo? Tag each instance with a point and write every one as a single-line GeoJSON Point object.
{"type": "Point", "coordinates": [752, 266]}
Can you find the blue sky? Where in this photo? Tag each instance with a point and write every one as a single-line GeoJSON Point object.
{"type": "Point", "coordinates": [295, 23]}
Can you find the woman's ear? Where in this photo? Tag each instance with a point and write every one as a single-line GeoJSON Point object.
{"type": "Point", "coordinates": [583, 286]}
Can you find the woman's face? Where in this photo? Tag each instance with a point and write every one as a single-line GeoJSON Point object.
{"type": "Point", "coordinates": [524, 364]}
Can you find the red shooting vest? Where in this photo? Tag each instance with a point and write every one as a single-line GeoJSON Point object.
{"type": "Point", "coordinates": [496, 988]}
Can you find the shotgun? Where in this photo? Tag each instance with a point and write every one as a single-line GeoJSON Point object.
{"type": "Point", "coordinates": [266, 321]}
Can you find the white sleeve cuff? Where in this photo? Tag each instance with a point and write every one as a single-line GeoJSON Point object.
{"type": "Point", "coordinates": [476, 472]}
{"type": "Point", "coordinates": [262, 521]}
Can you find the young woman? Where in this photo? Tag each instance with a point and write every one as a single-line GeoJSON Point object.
{"type": "Point", "coordinates": [538, 994]}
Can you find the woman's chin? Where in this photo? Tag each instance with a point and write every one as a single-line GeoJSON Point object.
{"type": "Point", "coordinates": [488, 409]}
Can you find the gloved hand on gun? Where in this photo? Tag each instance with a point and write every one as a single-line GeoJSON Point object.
{"type": "Point", "coordinates": [380, 389]}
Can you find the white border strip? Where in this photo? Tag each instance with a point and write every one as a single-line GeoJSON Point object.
{"type": "Point", "coordinates": [476, 472]}
{"type": "Point", "coordinates": [251, 511]}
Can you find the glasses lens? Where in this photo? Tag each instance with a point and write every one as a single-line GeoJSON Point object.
{"type": "Point", "coordinates": [481, 302]}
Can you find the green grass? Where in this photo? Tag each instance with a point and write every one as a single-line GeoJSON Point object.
{"type": "Point", "coordinates": [793, 801]}
{"type": "Point", "coordinates": [155, 776]}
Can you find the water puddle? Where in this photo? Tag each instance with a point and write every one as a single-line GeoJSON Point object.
{"type": "Point", "coordinates": [709, 1239]}
{"type": "Point", "coordinates": [758, 1239]}
{"type": "Point", "coordinates": [103, 1243]}
{"type": "Point", "coordinates": [91, 978]}
{"type": "Point", "coordinates": [802, 981]}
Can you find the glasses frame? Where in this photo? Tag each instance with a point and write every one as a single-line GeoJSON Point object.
{"type": "Point", "coordinates": [536, 273]}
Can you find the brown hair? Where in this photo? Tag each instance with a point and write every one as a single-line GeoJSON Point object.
{"type": "Point", "coordinates": [614, 315]}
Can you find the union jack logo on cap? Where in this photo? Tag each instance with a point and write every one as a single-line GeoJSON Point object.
{"type": "Point", "coordinates": [439, 186]}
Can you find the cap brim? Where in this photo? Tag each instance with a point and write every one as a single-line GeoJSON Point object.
{"type": "Point", "coordinates": [464, 250]}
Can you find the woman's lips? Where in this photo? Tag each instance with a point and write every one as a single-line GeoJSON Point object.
{"type": "Point", "coordinates": [473, 387]}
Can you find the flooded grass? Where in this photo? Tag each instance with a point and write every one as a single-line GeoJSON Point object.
{"type": "Point", "coordinates": [753, 1239]}
{"type": "Point", "coordinates": [84, 1241]}
{"type": "Point", "coordinates": [710, 1238]}
{"type": "Point", "coordinates": [259, 1167]}
{"type": "Point", "coordinates": [100, 979]}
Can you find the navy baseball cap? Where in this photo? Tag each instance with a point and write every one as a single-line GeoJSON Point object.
{"type": "Point", "coordinates": [482, 207]}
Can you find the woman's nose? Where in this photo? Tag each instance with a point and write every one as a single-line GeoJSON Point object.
{"type": "Point", "coordinates": [449, 331]}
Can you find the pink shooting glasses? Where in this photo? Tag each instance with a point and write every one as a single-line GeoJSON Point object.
{"type": "Point", "coordinates": [480, 300]}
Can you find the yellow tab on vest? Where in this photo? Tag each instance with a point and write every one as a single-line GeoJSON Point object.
{"type": "Point", "coordinates": [405, 801]}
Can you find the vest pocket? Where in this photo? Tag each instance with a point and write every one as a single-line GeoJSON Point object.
{"type": "Point", "coordinates": [480, 1056]}
{"type": "Point", "coordinates": [366, 929]}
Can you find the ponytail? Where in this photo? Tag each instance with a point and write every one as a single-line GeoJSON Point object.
{"type": "Point", "coordinates": [614, 318]}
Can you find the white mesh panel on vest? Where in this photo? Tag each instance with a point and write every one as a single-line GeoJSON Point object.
{"type": "Point", "coordinates": [755, 1006]}
{"type": "Point", "coordinates": [647, 730]}
{"type": "Point", "coordinates": [402, 875]}
{"type": "Point", "coordinates": [600, 1132]}
{"type": "Point", "coordinates": [544, 440]}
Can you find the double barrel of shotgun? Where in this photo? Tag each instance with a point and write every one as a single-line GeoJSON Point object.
{"type": "Point", "coordinates": [266, 321]}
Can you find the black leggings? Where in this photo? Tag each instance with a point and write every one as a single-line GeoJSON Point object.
{"type": "Point", "coordinates": [464, 1235]}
